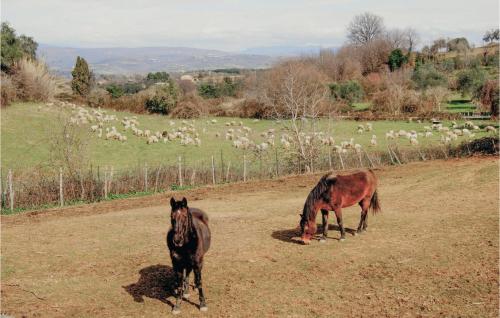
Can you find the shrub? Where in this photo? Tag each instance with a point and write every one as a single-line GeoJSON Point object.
{"type": "Point", "coordinates": [470, 80]}
{"type": "Point", "coordinates": [164, 99]}
{"type": "Point", "coordinates": [447, 65]}
{"type": "Point", "coordinates": [252, 108]}
{"type": "Point", "coordinates": [115, 90]}
{"type": "Point", "coordinates": [433, 97]}
{"type": "Point", "coordinates": [208, 90]}
{"type": "Point", "coordinates": [190, 106]}
{"type": "Point", "coordinates": [397, 59]}
{"type": "Point", "coordinates": [157, 77]}
{"type": "Point", "coordinates": [350, 91]}
{"type": "Point", "coordinates": [98, 97]}
{"type": "Point", "coordinates": [8, 90]}
{"type": "Point", "coordinates": [32, 81]}
{"type": "Point", "coordinates": [371, 83]}
{"type": "Point", "coordinates": [396, 99]}
{"type": "Point", "coordinates": [488, 94]}
{"type": "Point", "coordinates": [426, 76]}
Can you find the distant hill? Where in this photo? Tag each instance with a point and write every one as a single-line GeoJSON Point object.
{"type": "Point", "coordinates": [286, 51]}
{"type": "Point", "coordinates": [148, 59]}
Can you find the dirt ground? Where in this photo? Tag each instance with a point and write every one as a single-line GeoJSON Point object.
{"type": "Point", "coordinates": [432, 252]}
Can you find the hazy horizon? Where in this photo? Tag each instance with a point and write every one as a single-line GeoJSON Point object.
{"type": "Point", "coordinates": [235, 26]}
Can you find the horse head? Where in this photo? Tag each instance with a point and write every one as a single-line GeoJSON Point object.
{"type": "Point", "coordinates": [180, 217]}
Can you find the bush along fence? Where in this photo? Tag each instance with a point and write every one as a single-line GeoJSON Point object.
{"type": "Point", "coordinates": [45, 189]}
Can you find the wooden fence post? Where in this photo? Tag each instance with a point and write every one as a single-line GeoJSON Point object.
{"type": "Point", "coordinates": [341, 161]}
{"type": "Point", "coordinates": [244, 168]}
{"type": "Point", "coordinates": [277, 163]}
{"type": "Point", "coordinates": [157, 177]}
{"type": "Point", "coordinates": [11, 191]}
{"type": "Point", "coordinates": [213, 170]}
{"type": "Point", "coordinates": [369, 159]}
{"type": "Point", "coordinates": [179, 160]}
{"type": "Point", "coordinates": [330, 158]}
{"type": "Point", "coordinates": [110, 181]}
{"type": "Point", "coordinates": [61, 192]}
{"type": "Point", "coordinates": [146, 177]}
{"type": "Point", "coordinates": [193, 175]}
{"type": "Point", "coordinates": [227, 172]}
{"type": "Point", "coordinates": [106, 183]}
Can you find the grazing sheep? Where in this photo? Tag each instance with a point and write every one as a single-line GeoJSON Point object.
{"type": "Point", "coordinates": [490, 129]}
{"type": "Point", "coordinates": [389, 135]}
{"type": "Point", "coordinates": [428, 134]}
{"type": "Point", "coordinates": [373, 141]}
{"type": "Point", "coordinates": [413, 141]}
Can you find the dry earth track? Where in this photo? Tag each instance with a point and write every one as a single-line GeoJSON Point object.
{"type": "Point", "coordinates": [432, 252]}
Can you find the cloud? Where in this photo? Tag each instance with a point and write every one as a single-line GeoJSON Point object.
{"type": "Point", "coordinates": [235, 25]}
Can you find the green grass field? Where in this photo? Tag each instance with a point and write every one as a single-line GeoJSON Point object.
{"type": "Point", "coordinates": [27, 128]}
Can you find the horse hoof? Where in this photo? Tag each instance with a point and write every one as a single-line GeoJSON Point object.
{"type": "Point", "coordinates": [204, 308]}
{"type": "Point", "coordinates": [186, 296]}
{"type": "Point", "coordinates": [342, 239]}
{"type": "Point", "coordinates": [322, 240]}
{"type": "Point", "coordinates": [176, 311]}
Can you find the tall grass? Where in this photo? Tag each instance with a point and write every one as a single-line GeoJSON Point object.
{"type": "Point", "coordinates": [33, 81]}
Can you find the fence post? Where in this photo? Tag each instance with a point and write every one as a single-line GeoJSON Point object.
{"type": "Point", "coordinates": [244, 168]}
{"type": "Point", "coordinates": [227, 172]}
{"type": "Point", "coordinates": [360, 160]}
{"type": "Point", "coordinates": [330, 158]}
{"type": "Point", "coordinates": [213, 170]}
{"type": "Point", "coordinates": [157, 177]}
{"type": "Point", "coordinates": [11, 192]}
{"type": "Point", "coordinates": [179, 161]}
{"type": "Point", "coordinates": [1, 191]}
{"type": "Point", "coordinates": [341, 161]}
{"type": "Point", "coordinates": [106, 183]}
{"type": "Point", "coordinates": [110, 179]}
{"type": "Point", "coordinates": [146, 177]}
{"type": "Point", "coordinates": [61, 192]}
{"type": "Point", "coordinates": [221, 166]}
{"type": "Point", "coordinates": [369, 159]}
{"type": "Point", "coordinates": [277, 163]}
{"type": "Point", "coordinates": [193, 176]}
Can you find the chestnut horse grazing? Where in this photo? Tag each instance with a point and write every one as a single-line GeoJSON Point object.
{"type": "Point", "coordinates": [188, 240]}
{"type": "Point", "coordinates": [334, 192]}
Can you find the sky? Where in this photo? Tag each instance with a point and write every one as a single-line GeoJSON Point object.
{"type": "Point", "coordinates": [237, 25]}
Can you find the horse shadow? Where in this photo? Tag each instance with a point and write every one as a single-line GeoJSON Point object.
{"type": "Point", "coordinates": [156, 282]}
{"type": "Point", "coordinates": [293, 235]}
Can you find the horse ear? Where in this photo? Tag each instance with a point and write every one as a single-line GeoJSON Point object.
{"type": "Point", "coordinates": [172, 202]}
{"type": "Point", "coordinates": [184, 202]}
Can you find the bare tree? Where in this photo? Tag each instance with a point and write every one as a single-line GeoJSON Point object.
{"type": "Point", "coordinates": [295, 90]}
{"type": "Point", "coordinates": [412, 38]}
{"type": "Point", "coordinates": [364, 28]}
{"type": "Point", "coordinates": [397, 38]}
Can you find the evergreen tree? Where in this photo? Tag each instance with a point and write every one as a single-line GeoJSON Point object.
{"type": "Point", "coordinates": [82, 77]}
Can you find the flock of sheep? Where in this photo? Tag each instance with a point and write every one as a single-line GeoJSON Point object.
{"type": "Point", "coordinates": [242, 137]}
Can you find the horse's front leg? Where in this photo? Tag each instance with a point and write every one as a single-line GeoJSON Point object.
{"type": "Point", "coordinates": [197, 282]}
{"type": "Point", "coordinates": [324, 215]}
{"type": "Point", "coordinates": [338, 214]}
{"type": "Point", "coordinates": [180, 291]}
{"type": "Point", "coordinates": [185, 293]}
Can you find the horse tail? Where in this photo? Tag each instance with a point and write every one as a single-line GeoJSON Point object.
{"type": "Point", "coordinates": [374, 203]}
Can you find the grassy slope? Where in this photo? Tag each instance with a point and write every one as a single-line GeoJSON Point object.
{"type": "Point", "coordinates": [26, 132]}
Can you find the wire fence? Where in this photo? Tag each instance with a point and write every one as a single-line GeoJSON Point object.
{"type": "Point", "coordinates": [34, 189]}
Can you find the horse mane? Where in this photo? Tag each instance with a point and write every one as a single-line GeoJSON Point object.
{"type": "Point", "coordinates": [316, 193]}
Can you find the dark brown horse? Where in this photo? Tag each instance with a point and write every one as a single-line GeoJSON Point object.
{"type": "Point", "coordinates": [188, 240]}
{"type": "Point", "coordinates": [334, 192]}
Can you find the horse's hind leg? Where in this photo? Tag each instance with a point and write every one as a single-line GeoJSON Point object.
{"type": "Point", "coordinates": [197, 282]}
{"type": "Point", "coordinates": [338, 214]}
{"type": "Point", "coordinates": [364, 204]}
{"type": "Point", "coordinates": [324, 215]}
